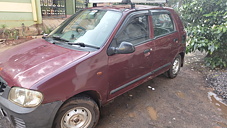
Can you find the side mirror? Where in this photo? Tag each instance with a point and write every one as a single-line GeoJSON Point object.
{"type": "Point", "coordinates": [124, 48]}
{"type": "Point", "coordinates": [44, 35]}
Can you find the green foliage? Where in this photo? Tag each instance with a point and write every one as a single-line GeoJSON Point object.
{"type": "Point", "coordinates": [214, 61]}
{"type": "Point", "coordinates": [176, 4]}
{"type": "Point", "coordinates": [206, 24]}
{"type": "Point", "coordinates": [47, 30]}
{"type": "Point", "coordinates": [3, 26]}
{"type": "Point", "coordinates": [11, 34]}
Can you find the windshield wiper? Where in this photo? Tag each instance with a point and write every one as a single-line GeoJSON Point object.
{"type": "Point", "coordinates": [83, 45]}
{"type": "Point", "coordinates": [59, 38]}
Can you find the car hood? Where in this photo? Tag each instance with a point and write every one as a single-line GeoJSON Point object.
{"type": "Point", "coordinates": [28, 63]}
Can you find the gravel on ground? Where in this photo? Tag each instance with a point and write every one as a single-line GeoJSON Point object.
{"type": "Point", "coordinates": [215, 78]}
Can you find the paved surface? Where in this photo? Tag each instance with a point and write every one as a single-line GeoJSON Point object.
{"type": "Point", "coordinates": [183, 102]}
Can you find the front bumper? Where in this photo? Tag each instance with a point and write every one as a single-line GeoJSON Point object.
{"type": "Point", "coordinates": [40, 117]}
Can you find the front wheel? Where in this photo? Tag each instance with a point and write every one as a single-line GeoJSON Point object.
{"type": "Point", "coordinates": [175, 67]}
{"type": "Point", "coordinates": [78, 112]}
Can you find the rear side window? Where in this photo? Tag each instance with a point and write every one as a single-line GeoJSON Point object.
{"type": "Point", "coordinates": [162, 24]}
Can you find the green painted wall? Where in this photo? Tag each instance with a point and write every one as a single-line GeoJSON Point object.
{"type": "Point", "coordinates": [25, 11]}
{"type": "Point", "coordinates": [70, 7]}
{"type": "Point", "coordinates": [17, 1]}
{"type": "Point", "coordinates": [74, 5]}
{"type": "Point", "coordinates": [15, 19]}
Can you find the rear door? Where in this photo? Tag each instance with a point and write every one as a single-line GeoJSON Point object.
{"type": "Point", "coordinates": [166, 38]}
{"type": "Point", "coordinates": [127, 70]}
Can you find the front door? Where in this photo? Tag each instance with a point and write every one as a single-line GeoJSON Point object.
{"type": "Point", "coordinates": [128, 70]}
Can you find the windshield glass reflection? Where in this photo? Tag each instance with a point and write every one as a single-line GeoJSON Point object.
{"type": "Point", "coordinates": [91, 27]}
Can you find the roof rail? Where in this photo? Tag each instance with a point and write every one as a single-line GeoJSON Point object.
{"type": "Point", "coordinates": [132, 2]}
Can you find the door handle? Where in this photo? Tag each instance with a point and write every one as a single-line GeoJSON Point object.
{"type": "Point", "coordinates": [146, 51]}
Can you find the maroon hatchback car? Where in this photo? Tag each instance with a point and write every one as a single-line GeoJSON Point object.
{"type": "Point", "coordinates": [62, 80]}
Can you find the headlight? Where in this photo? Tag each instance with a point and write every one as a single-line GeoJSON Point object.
{"type": "Point", "coordinates": [25, 97]}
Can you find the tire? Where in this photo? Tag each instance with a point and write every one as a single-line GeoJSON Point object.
{"type": "Point", "coordinates": [175, 68]}
{"type": "Point", "coordinates": [78, 112]}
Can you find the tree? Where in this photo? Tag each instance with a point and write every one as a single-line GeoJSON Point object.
{"type": "Point", "coordinates": [206, 24]}
{"type": "Point", "coordinates": [176, 4]}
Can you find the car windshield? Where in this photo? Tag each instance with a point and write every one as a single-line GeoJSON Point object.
{"type": "Point", "coordinates": [91, 27]}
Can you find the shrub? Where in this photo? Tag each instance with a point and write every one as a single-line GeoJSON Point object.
{"type": "Point", "coordinates": [206, 24]}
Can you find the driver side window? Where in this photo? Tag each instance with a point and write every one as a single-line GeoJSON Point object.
{"type": "Point", "coordinates": [135, 32]}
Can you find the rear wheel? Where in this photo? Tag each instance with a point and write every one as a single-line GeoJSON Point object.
{"type": "Point", "coordinates": [175, 67]}
{"type": "Point", "coordinates": [78, 112]}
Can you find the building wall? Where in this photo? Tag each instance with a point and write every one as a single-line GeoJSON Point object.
{"type": "Point", "coordinates": [74, 5]}
{"type": "Point", "coordinates": [14, 13]}
{"type": "Point", "coordinates": [70, 7]}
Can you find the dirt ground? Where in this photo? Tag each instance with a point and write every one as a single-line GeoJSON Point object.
{"type": "Point", "coordinates": [183, 102]}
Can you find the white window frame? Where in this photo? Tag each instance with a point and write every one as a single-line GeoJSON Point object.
{"type": "Point", "coordinates": [133, 1]}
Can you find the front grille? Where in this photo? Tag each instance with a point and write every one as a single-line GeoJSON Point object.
{"type": "Point", "coordinates": [19, 123]}
{"type": "Point", "coordinates": [2, 86]}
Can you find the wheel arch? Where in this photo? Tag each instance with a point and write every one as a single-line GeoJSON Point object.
{"type": "Point", "coordinates": [91, 96]}
{"type": "Point", "coordinates": [182, 54]}
{"type": "Point", "coordinates": [94, 95]}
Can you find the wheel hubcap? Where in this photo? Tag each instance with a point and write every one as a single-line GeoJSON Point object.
{"type": "Point", "coordinates": [78, 117]}
{"type": "Point", "coordinates": [176, 65]}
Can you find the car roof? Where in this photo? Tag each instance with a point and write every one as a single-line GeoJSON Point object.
{"type": "Point", "coordinates": [127, 8]}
